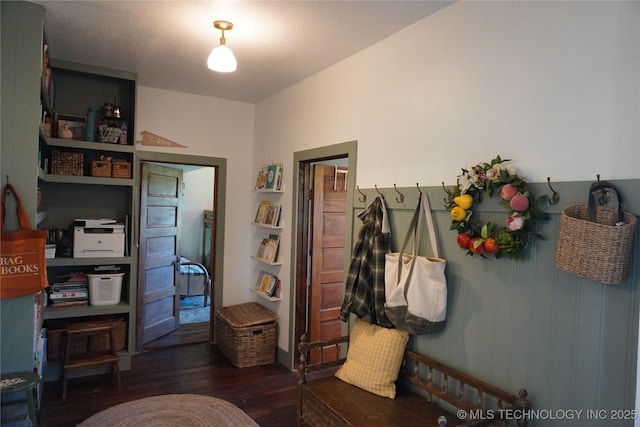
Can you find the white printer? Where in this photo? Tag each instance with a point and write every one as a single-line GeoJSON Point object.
{"type": "Point", "coordinates": [94, 238]}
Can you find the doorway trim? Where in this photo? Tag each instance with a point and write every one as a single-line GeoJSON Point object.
{"type": "Point", "coordinates": [219, 202]}
{"type": "Point", "coordinates": [346, 149]}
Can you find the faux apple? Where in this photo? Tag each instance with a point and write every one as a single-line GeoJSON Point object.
{"type": "Point", "coordinates": [508, 191]}
{"type": "Point", "coordinates": [476, 245]}
{"type": "Point", "coordinates": [463, 240]}
{"type": "Point", "coordinates": [491, 246]}
{"type": "Point", "coordinates": [519, 203]}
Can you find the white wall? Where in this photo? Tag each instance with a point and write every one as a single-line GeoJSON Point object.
{"type": "Point", "coordinates": [554, 86]}
{"type": "Point", "coordinates": [215, 128]}
{"type": "Point", "coordinates": [198, 196]}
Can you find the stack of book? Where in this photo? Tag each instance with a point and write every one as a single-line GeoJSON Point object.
{"type": "Point", "coordinates": [268, 214]}
{"type": "Point", "coordinates": [268, 285]}
{"type": "Point", "coordinates": [268, 250]}
{"type": "Point", "coordinates": [270, 177]}
{"type": "Point", "coordinates": [69, 289]}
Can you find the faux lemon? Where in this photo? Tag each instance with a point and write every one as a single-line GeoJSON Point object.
{"type": "Point", "coordinates": [464, 201]}
{"type": "Point", "coordinates": [457, 213]}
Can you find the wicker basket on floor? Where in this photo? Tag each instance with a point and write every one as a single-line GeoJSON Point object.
{"type": "Point", "coordinates": [246, 334]}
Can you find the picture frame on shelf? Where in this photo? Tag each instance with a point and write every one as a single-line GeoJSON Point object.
{"type": "Point", "coordinates": [70, 127]}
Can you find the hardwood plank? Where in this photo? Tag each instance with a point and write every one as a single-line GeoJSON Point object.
{"type": "Point", "coordinates": [268, 393]}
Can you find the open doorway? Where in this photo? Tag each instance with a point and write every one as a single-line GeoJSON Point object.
{"type": "Point", "coordinates": [178, 231]}
{"type": "Point", "coordinates": [325, 180]}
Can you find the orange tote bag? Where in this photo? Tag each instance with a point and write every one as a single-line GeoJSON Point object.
{"type": "Point", "coordinates": [23, 269]}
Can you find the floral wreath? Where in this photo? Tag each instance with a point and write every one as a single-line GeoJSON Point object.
{"type": "Point", "coordinates": [523, 213]}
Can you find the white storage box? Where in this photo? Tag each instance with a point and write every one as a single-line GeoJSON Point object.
{"type": "Point", "coordinates": [105, 289]}
{"type": "Point", "coordinates": [50, 251]}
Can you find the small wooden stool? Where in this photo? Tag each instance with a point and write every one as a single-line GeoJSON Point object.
{"type": "Point", "coordinates": [21, 382]}
{"type": "Point", "coordinates": [87, 360]}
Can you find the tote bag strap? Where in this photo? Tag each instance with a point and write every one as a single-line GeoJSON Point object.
{"type": "Point", "coordinates": [23, 218]}
{"type": "Point", "coordinates": [429, 219]}
{"type": "Point", "coordinates": [413, 229]}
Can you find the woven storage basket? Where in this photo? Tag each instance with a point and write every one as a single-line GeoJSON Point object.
{"type": "Point", "coordinates": [55, 344]}
{"type": "Point", "coordinates": [65, 163]}
{"type": "Point", "coordinates": [101, 168]}
{"type": "Point", "coordinates": [101, 343]}
{"type": "Point", "coordinates": [246, 334]}
{"type": "Point", "coordinates": [121, 169]}
{"type": "Point", "coordinates": [596, 250]}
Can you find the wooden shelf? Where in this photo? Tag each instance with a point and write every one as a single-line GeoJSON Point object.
{"type": "Point", "coordinates": [49, 313]}
{"type": "Point", "coordinates": [64, 262]}
{"type": "Point", "coordinates": [88, 145]}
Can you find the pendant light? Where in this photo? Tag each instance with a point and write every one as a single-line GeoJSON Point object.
{"type": "Point", "coordinates": [221, 58]}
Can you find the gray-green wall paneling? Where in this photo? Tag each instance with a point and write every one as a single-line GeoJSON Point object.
{"type": "Point", "coordinates": [572, 343]}
{"type": "Point", "coordinates": [21, 46]}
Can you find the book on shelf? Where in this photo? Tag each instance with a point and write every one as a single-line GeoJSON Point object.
{"type": "Point", "coordinates": [261, 181]}
{"type": "Point", "coordinates": [68, 303]}
{"type": "Point", "coordinates": [263, 210]}
{"type": "Point", "coordinates": [278, 178]}
{"type": "Point", "coordinates": [273, 214]}
{"type": "Point", "coordinates": [70, 294]}
{"type": "Point", "coordinates": [269, 177]}
{"type": "Point", "coordinates": [270, 250]}
{"type": "Point", "coordinates": [68, 287]}
{"type": "Point", "coordinates": [275, 238]}
{"type": "Point", "coordinates": [261, 248]}
{"type": "Point", "coordinates": [276, 290]}
{"type": "Point", "coordinates": [266, 284]}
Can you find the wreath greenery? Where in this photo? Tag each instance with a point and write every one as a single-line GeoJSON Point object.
{"type": "Point", "coordinates": [478, 238]}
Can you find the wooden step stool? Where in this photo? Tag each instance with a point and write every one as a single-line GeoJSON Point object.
{"type": "Point", "coordinates": [77, 362]}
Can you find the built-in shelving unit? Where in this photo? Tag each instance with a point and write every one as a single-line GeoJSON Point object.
{"type": "Point", "coordinates": [80, 195]}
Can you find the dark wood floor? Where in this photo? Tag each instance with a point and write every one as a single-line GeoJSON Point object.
{"type": "Point", "coordinates": [193, 333]}
{"type": "Point", "coordinates": [268, 394]}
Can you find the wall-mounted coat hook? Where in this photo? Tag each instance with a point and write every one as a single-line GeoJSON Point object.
{"type": "Point", "coordinates": [449, 199]}
{"type": "Point", "coordinates": [603, 197]}
{"type": "Point", "coordinates": [378, 191]}
{"type": "Point", "coordinates": [401, 198]}
{"type": "Point", "coordinates": [556, 196]}
{"type": "Point", "coordinates": [364, 196]}
{"type": "Point", "coordinates": [418, 187]}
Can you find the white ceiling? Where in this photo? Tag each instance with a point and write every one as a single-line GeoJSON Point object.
{"type": "Point", "coordinates": [276, 43]}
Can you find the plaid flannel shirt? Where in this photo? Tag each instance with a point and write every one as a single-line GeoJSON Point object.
{"type": "Point", "coordinates": [364, 288]}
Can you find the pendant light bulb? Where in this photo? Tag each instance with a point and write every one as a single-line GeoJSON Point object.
{"type": "Point", "coordinates": [221, 58]}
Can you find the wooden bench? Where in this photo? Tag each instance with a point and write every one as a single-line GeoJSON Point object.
{"type": "Point", "coordinates": [428, 394]}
